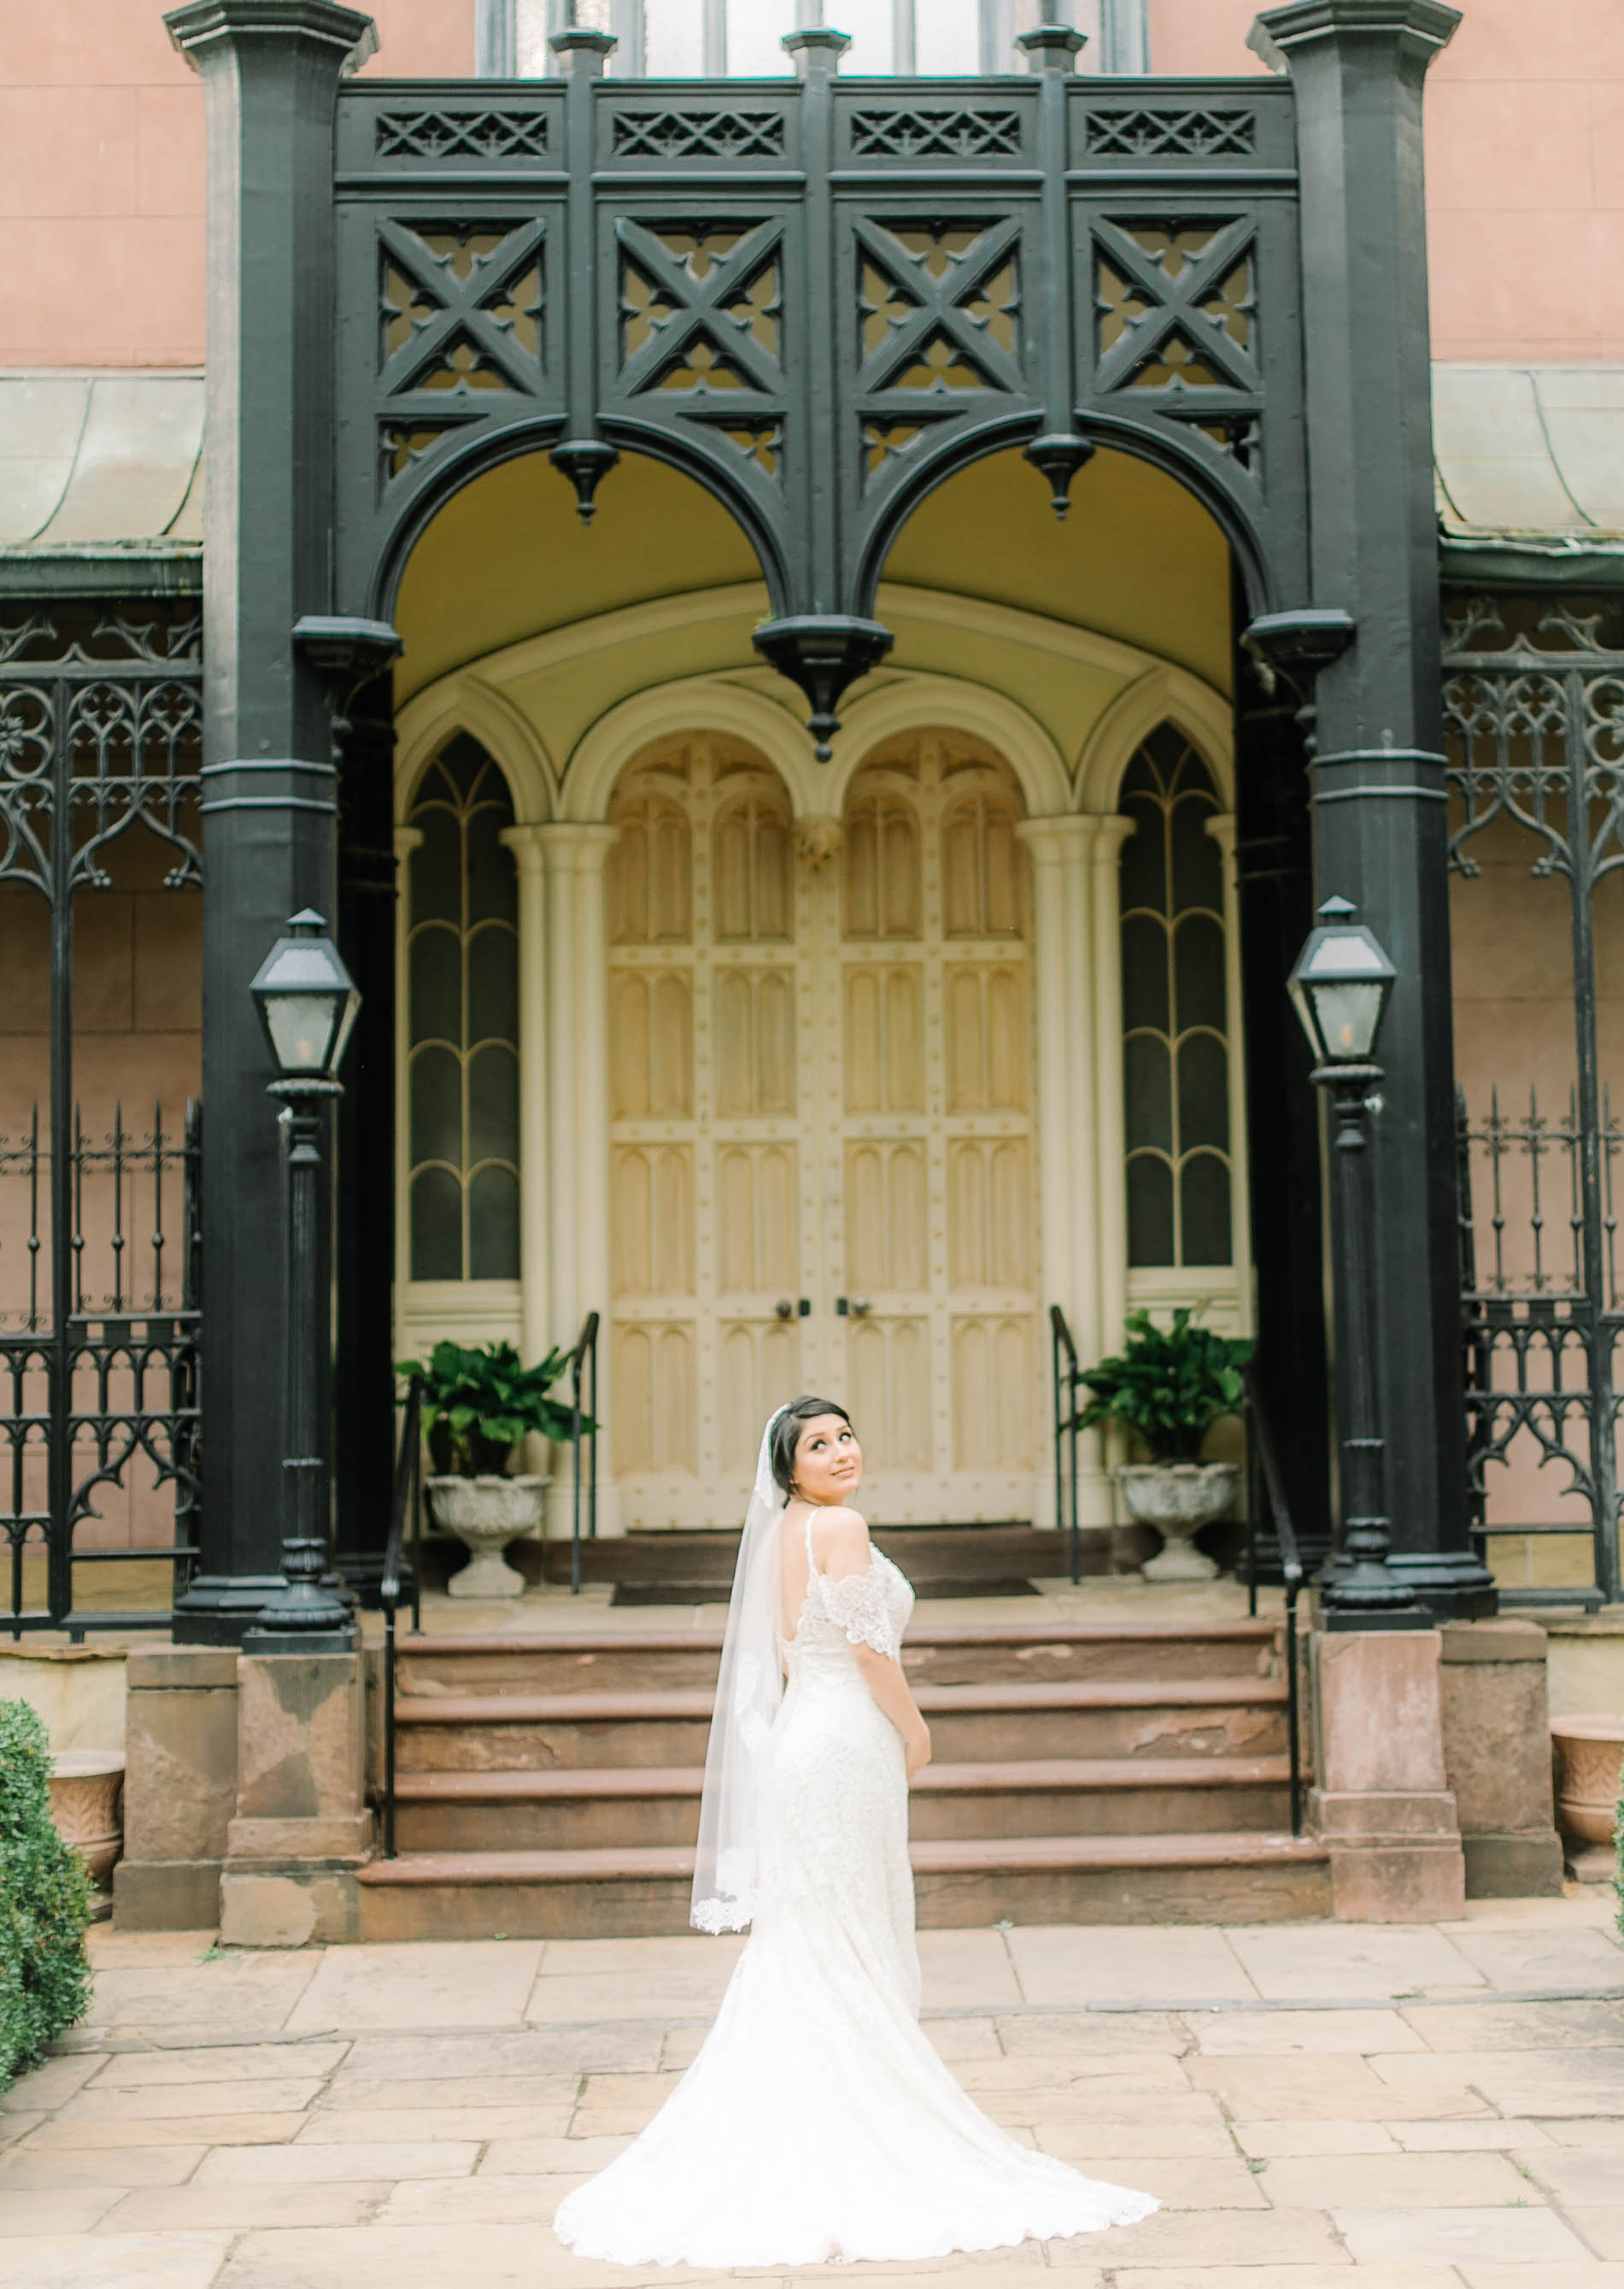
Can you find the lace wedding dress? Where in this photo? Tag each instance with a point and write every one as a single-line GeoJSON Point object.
{"type": "Point", "coordinates": [818, 2125]}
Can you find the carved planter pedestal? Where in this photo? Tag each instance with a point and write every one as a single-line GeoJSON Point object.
{"type": "Point", "coordinates": [1178, 1499]}
{"type": "Point", "coordinates": [1589, 1751]}
{"type": "Point", "coordinates": [487, 1513]}
{"type": "Point", "coordinates": [87, 1788]}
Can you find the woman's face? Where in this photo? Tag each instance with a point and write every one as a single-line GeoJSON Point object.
{"type": "Point", "coordinates": [828, 1460]}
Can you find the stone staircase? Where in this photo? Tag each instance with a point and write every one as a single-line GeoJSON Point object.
{"type": "Point", "coordinates": [549, 1787]}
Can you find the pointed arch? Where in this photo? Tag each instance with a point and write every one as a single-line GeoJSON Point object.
{"type": "Point", "coordinates": [464, 703]}
{"type": "Point", "coordinates": [1162, 694]}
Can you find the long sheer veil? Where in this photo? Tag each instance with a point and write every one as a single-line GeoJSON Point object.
{"type": "Point", "coordinates": [749, 1688]}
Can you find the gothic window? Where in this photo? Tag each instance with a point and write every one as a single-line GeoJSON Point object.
{"type": "Point", "coordinates": [743, 39]}
{"type": "Point", "coordinates": [1175, 1013]}
{"type": "Point", "coordinates": [462, 1069]}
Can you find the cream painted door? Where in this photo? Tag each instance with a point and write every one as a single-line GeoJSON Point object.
{"type": "Point", "coordinates": [822, 1089]}
{"type": "Point", "coordinates": [934, 1184]}
{"type": "Point", "coordinates": [714, 1194]}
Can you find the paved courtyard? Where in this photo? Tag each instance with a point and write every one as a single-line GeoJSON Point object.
{"type": "Point", "coordinates": [1437, 2108]}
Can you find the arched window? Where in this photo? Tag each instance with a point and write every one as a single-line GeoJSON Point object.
{"type": "Point", "coordinates": [1174, 1012]}
{"type": "Point", "coordinates": [462, 1083]}
{"type": "Point", "coordinates": [742, 39]}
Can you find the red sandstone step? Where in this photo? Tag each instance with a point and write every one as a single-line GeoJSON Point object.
{"type": "Point", "coordinates": [589, 1806]}
{"type": "Point", "coordinates": [970, 1724]}
{"type": "Point", "coordinates": [943, 1653]}
{"type": "Point", "coordinates": [676, 1702]}
{"type": "Point", "coordinates": [973, 1856]}
{"type": "Point", "coordinates": [1077, 1772]}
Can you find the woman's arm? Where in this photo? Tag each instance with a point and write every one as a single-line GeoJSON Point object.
{"type": "Point", "coordinates": [844, 1549]}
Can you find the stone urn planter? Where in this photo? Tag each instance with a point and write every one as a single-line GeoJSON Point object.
{"type": "Point", "coordinates": [487, 1513]}
{"type": "Point", "coordinates": [87, 1788]}
{"type": "Point", "coordinates": [1178, 1499]}
{"type": "Point", "coordinates": [1588, 1752]}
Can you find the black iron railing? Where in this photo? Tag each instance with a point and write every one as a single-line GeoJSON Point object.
{"type": "Point", "coordinates": [1066, 1382]}
{"type": "Point", "coordinates": [583, 1365]}
{"type": "Point", "coordinates": [1266, 1501]}
{"type": "Point", "coordinates": [405, 1518]}
{"type": "Point", "coordinates": [99, 1375]}
{"type": "Point", "coordinates": [1541, 1325]}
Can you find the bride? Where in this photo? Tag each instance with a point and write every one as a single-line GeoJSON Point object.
{"type": "Point", "coordinates": [818, 2125]}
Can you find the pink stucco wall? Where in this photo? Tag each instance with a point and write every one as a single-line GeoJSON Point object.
{"type": "Point", "coordinates": [101, 174]}
{"type": "Point", "coordinates": [102, 171]}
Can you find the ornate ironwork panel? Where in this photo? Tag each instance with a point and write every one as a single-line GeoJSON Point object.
{"type": "Point", "coordinates": [1534, 707]}
{"type": "Point", "coordinates": [99, 741]}
{"type": "Point", "coordinates": [817, 298]}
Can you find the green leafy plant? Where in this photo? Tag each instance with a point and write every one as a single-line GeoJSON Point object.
{"type": "Point", "coordinates": [480, 1401]}
{"type": "Point", "coordinates": [45, 1902]}
{"type": "Point", "coordinates": [1168, 1385]}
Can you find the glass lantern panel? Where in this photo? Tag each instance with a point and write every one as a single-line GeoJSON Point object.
{"type": "Point", "coordinates": [301, 1029]}
{"type": "Point", "coordinates": [1348, 1013]}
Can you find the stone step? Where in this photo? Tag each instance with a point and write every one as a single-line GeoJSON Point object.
{"type": "Point", "coordinates": [957, 1556]}
{"type": "Point", "coordinates": [970, 1724]}
{"type": "Point", "coordinates": [935, 1654]}
{"type": "Point", "coordinates": [643, 1892]}
{"type": "Point", "coordinates": [588, 1808]}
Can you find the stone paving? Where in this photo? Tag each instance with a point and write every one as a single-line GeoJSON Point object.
{"type": "Point", "coordinates": [1432, 2107]}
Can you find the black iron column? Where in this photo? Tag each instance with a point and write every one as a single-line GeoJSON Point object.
{"type": "Point", "coordinates": [1275, 886]}
{"type": "Point", "coordinates": [270, 70]}
{"type": "Point", "coordinates": [358, 656]}
{"type": "Point", "coordinates": [1359, 69]}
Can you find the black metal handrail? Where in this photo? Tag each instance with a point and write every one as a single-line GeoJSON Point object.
{"type": "Point", "coordinates": [1265, 1485]}
{"type": "Point", "coordinates": [1067, 1380]}
{"type": "Point", "coordinates": [583, 1365]}
{"type": "Point", "coordinates": [405, 1510]}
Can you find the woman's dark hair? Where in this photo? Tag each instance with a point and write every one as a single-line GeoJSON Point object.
{"type": "Point", "coordinates": [786, 1436]}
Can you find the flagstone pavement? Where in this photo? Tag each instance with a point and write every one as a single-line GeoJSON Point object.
{"type": "Point", "coordinates": [1438, 2107]}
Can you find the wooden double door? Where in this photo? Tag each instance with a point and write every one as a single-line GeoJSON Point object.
{"type": "Point", "coordinates": [823, 1138]}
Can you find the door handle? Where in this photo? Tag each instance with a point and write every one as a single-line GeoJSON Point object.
{"type": "Point", "coordinates": [793, 1307]}
{"type": "Point", "coordinates": [859, 1306]}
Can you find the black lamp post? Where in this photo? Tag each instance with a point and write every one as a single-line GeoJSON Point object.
{"type": "Point", "coordinates": [1340, 986]}
{"type": "Point", "coordinates": [307, 1002]}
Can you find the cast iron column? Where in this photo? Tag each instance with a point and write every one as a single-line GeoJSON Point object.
{"type": "Point", "coordinates": [1357, 67]}
{"type": "Point", "coordinates": [270, 70]}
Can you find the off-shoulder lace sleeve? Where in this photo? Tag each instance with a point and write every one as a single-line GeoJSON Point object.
{"type": "Point", "coordinates": [857, 1604]}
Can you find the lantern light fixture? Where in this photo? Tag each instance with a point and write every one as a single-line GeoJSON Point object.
{"type": "Point", "coordinates": [1340, 986]}
{"type": "Point", "coordinates": [306, 1001]}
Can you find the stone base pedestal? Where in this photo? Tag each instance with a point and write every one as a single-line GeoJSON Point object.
{"type": "Point", "coordinates": [301, 1827]}
{"type": "Point", "coordinates": [1496, 1732]}
{"type": "Point", "coordinates": [181, 1787]}
{"type": "Point", "coordinates": [1383, 1806]}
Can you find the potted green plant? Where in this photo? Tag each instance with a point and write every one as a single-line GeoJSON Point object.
{"type": "Point", "coordinates": [480, 1401]}
{"type": "Point", "coordinates": [1166, 1387]}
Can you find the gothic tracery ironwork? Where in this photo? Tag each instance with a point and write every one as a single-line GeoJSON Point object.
{"type": "Point", "coordinates": [99, 741]}
{"type": "Point", "coordinates": [1535, 709]}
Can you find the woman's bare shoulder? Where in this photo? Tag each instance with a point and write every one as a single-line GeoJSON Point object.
{"type": "Point", "coordinates": [841, 1534]}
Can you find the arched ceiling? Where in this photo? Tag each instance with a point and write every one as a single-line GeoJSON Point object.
{"type": "Point", "coordinates": [507, 565]}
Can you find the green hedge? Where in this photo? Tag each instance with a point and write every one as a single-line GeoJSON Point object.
{"type": "Point", "coordinates": [45, 1902]}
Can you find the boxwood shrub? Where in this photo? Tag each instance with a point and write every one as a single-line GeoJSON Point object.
{"type": "Point", "coordinates": [45, 1902]}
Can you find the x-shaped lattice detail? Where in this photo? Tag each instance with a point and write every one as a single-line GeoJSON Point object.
{"type": "Point", "coordinates": [940, 311]}
{"type": "Point", "coordinates": [459, 309]}
{"type": "Point", "coordinates": [699, 308]}
{"type": "Point", "coordinates": [1173, 305]}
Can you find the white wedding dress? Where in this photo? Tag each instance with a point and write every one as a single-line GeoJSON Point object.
{"type": "Point", "coordinates": [818, 2125]}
